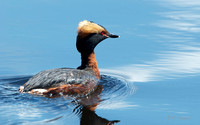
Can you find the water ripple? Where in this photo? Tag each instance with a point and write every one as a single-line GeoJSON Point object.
{"type": "Point", "coordinates": [38, 110]}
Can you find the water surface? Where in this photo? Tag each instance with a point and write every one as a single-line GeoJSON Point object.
{"type": "Point", "coordinates": [150, 74]}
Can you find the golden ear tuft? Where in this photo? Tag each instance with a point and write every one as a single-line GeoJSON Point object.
{"type": "Point", "coordinates": [87, 27]}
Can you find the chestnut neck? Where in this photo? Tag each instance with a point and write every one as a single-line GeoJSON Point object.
{"type": "Point", "coordinates": [89, 62]}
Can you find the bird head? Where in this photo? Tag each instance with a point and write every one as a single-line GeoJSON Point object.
{"type": "Point", "coordinates": [90, 35]}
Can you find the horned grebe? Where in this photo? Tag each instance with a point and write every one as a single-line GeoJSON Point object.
{"type": "Point", "coordinates": [66, 81]}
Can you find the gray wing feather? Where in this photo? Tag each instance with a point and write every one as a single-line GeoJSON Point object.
{"type": "Point", "coordinates": [57, 77]}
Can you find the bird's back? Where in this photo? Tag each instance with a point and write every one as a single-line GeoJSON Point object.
{"type": "Point", "coordinates": [57, 77]}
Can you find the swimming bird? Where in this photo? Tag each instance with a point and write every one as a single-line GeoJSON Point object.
{"type": "Point", "coordinates": [67, 81]}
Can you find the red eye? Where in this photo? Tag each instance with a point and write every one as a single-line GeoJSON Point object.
{"type": "Point", "coordinates": [103, 33]}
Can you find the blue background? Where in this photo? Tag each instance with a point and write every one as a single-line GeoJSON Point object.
{"type": "Point", "coordinates": [158, 52]}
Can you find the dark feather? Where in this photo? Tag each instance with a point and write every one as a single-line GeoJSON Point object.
{"type": "Point", "coordinates": [56, 77]}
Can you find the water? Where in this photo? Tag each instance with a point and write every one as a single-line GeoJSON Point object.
{"type": "Point", "coordinates": [150, 75]}
{"type": "Point", "coordinates": [30, 109]}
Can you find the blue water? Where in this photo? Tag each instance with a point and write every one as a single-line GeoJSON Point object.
{"type": "Point", "coordinates": [150, 75]}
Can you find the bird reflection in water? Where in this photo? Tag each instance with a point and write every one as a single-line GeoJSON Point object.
{"type": "Point", "coordinates": [86, 109]}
